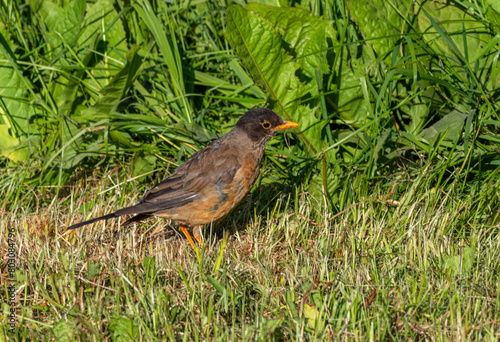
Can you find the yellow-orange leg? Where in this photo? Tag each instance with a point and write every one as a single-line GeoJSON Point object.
{"type": "Point", "coordinates": [188, 236]}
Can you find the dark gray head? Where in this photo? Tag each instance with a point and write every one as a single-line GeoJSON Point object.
{"type": "Point", "coordinates": [260, 124]}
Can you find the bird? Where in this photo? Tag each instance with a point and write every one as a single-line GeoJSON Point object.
{"type": "Point", "coordinates": [212, 182]}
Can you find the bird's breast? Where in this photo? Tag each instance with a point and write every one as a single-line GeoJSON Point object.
{"type": "Point", "coordinates": [218, 199]}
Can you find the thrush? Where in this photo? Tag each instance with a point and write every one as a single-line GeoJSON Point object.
{"type": "Point", "coordinates": [213, 181]}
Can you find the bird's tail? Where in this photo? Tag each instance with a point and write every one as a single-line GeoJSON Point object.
{"type": "Point", "coordinates": [84, 223]}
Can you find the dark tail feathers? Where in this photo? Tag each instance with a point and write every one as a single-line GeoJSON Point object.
{"type": "Point", "coordinates": [136, 218]}
{"type": "Point", "coordinates": [84, 223]}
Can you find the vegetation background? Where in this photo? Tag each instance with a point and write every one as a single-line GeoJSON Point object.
{"type": "Point", "coordinates": [378, 220]}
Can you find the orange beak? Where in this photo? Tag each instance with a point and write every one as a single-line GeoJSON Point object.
{"type": "Point", "coordinates": [286, 125]}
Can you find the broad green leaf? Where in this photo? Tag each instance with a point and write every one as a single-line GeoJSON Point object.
{"type": "Point", "coordinates": [143, 164]}
{"type": "Point", "coordinates": [260, 45]}
{"type": "Point", "coordinates": [310, 125]}
{"type": "Point", "coordinates": [102, 23]}
{"type": "Point", "coordinates": [419, 112]}
{"type": "Point", "coordinates": [452, 20]}
{"type": "Point", "coordinates": [451, 124]}
{"type": "Point", "coordinates": [122, 139]}
{"type": "Point", "coordinates": [124, 329]}
{"type": "Point", "coordinates": [305, 36]}
{"type": "Point", "coordinates": [13, 104]}
{"type": "Point", "coordinates": [415, 113]}
{"type": "Point", "coordinates": [418, 100]}
{"type": "Point", "coordinates": [317, 185]}
{"type": "Point", "coordinates": [461, 263]}
{"type": "Point", "coordinates": [62, 22]}
{"type": "Point", "coordinates": [312, 314]}
{"type": "Point", "coordinates": [11, 147]}
{"type": "Point", "coordinates": [493, 11]}
{"type": "Point", "coordinates": [464, 44]}
{"type": "Point", "coordinates": [235, 65]}
{"type": "Point", "coordinates": [382, 22]}
{"type": "Point", "coordinates": [71, 143]}
{"type": "Point", "coordinates": [353, 108]}
{"type": "Point", "coordinates": [73, 156]}
{"type": "Point", "coordinates": [65, 90]}
{"type": "Point", "coordinates": [111, 95]}
{"type": "Point", "coordinates": [352, 144]}
{"type": "Point", "coordinates": [277, 46]}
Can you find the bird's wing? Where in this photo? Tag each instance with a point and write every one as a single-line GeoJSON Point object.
{"type": "Point", "coordinates": [215, 163]}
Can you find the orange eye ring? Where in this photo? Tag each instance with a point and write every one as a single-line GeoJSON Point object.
{"type": "Point", "coordinates": [266, 125]}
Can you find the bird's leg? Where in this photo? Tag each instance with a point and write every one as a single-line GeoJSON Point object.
{"type": "Point", "coordinates": [198, 235]}
{"type": "Point", "coordinates": [188, 236]}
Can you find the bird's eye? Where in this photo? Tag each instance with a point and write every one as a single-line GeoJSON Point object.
{"type": "Point", "coordinates": [266, 125]}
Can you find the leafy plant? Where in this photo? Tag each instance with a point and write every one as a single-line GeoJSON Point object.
{"type": "Point", "coordinates": [351, 97]}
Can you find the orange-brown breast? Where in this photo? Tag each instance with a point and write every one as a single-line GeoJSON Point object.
{"type": "Point", "coordinates": [216, 201]}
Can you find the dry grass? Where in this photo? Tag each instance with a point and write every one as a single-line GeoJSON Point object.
{"type": "Point", "coordinates": [295, 271]}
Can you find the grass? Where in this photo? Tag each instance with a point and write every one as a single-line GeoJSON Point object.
{"type": "Point", "coordinates": [281, 267]}
{"type": "Point", "coordinates": [388, 232]}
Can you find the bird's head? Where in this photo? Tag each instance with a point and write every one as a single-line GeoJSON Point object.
{"type": "Point", "coordinates": [260, 124]}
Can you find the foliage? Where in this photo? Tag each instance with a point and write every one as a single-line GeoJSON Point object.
{"type": "Point", "coordinates": [92, 83]}
{"type": "Point", "coordinates": [421, 74]}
